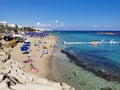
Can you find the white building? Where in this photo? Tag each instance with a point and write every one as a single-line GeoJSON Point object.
{"type": "Point", "coordinates": [11, 25]}
{"type": "Point", "coordinates": [3, 23]}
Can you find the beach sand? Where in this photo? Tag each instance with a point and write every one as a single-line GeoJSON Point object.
{"type": "Point", "coordinates": [35, 52]}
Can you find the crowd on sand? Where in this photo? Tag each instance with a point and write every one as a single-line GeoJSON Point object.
{"type": "Point", "coordinates": [25, 65]}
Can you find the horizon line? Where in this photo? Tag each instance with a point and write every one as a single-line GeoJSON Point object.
{"type": "Point", "coordinates": [85, 30]}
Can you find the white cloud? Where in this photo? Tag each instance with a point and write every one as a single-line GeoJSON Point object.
{"type": "Point", "coordinates": [50, 25]}
{"type": "Point", "coordinates": [38, 23]}
{"type": "Point", "coordinates": [56, 21]}
{"type": "Point", "coordinates": [4, 22]}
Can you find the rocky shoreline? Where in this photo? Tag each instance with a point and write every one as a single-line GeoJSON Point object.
{"type": "Point", "coordinates": [13, 77]}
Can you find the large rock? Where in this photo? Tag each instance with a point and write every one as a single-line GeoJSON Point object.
{"type": "Point", "coordinates": [4, 56]}
{"type": "Point", "coordinates": [42, 80]}
{"type": "Point", "coordinates": [5, 71]}
{"type": "Point", "coordinates": [36, 86]}
{"type": "Point", "coordinates": [13, 73]}
{"type": "Point", "coordinates": [1, 77]}
{"type": "Point", "coordinates": [66, 86]}
{"type": "Point", "coordinates": [9, 62]}
{"type": "Point", "coordinates": [3, 85]}
{"type": "Point", "coordinates": [22, 78]}
{"type": "Point", "coordinates": [30, 78]}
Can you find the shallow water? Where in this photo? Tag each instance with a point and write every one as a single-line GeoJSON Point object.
{"type": "Point", "coordinates": [103, 57]}
{"type": "Point", "coordinates": [63, 70]}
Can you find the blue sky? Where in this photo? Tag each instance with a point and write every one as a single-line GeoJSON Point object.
{"type": "Point", "coordinates": [63, 14]}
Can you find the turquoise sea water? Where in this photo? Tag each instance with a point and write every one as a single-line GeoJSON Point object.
{"type": "Point", "coordinates": [108, 51]}
{"type": "Point", "coordinates": [102, 61]}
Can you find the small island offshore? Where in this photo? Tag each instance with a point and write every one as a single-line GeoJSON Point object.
{"type": "Point", "coordinates": [24, 59]}
{"type": "Point", "coordinates": [107, 33]}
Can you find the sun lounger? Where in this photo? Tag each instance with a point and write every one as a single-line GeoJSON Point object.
{"type": "Point", "coordinates": [27, 43]}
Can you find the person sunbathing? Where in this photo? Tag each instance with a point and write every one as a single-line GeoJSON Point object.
{"type": "Point", "coordinates": [33, 68]}
{"type": "Point", "coordinates": [27, 61]}
{"type": "Point", "coordinates": [44, 51]}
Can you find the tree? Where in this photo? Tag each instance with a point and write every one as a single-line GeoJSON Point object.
{"type": "Point", "coordinates": [28, 29]}
{"type": "Point", "coordinates": [16, 28]}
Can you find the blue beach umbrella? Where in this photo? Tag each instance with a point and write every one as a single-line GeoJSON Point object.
{"type": "Point", "coordinates": [24, 48]}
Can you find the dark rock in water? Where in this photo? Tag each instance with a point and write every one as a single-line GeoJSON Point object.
{"type": "Point", "coordinates": [107, 88]}
{"type": "Point", "coordinates": [69, 78]}
{"type": "Point", "coordinates": [108, 71]}
{"type": "Point", "coordinates": [69, 55]}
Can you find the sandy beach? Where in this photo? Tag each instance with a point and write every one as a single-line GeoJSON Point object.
{"type": "Point", "coordinates": [28, 71]}
{"type": "Point", "coordinates": [41, 63]}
